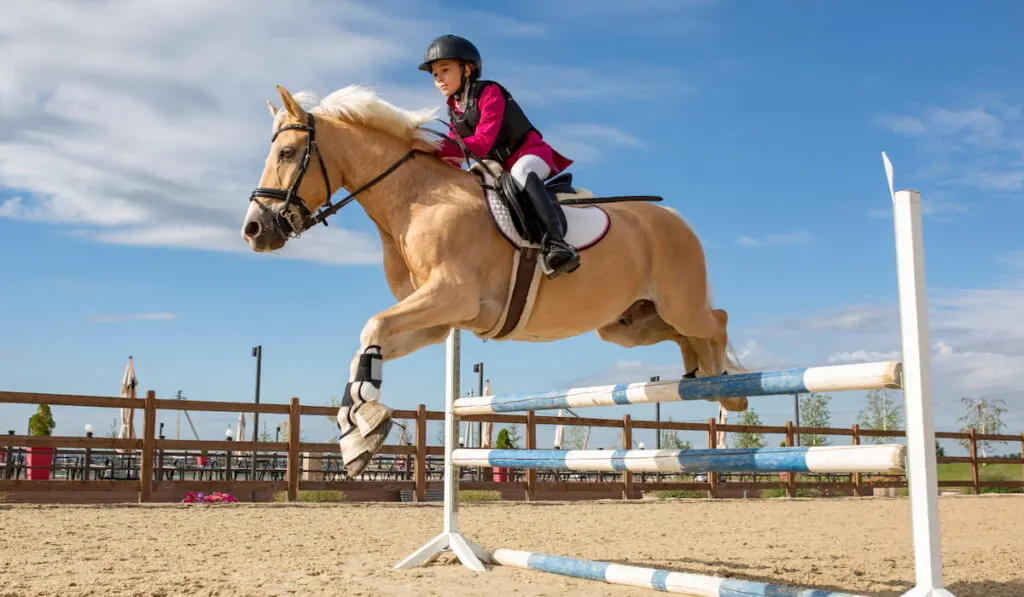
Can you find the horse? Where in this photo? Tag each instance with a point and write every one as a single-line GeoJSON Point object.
{"type": "Point", "coordinates": [452, 259]}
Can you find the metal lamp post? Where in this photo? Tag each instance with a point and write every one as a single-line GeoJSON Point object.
{"type": "Point", "coordinates": [657, 417]}
{"type": "Point", "coordinates": [478, 368]}
{"type": "Point", "coordinates": [257, 352]}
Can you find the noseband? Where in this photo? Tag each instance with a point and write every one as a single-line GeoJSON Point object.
{"type": "Point", "coordinates": [291, 196]}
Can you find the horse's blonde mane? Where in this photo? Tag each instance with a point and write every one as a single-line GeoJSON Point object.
{"type": "Point", "coordinates": [358, 104]}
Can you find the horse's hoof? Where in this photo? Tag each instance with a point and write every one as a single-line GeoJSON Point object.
{"type": "Point", "coordinates": [734, 404]}
{"type": "Point", "coordinates": [356, 466]}
{"type": "Point", "coordinates": [370, 416]}
{"type": "Point", "coordinates": [356, 453]}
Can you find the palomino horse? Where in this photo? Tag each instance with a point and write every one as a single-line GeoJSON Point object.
{"type": "Point", "coordinates": [642, 278]}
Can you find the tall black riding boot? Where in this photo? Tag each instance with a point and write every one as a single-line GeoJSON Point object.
{"type": "Point", "coordinates": [559, 256]}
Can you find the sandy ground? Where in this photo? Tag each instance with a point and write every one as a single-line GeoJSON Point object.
{"type": "Point", "coordinates": [856, 545]}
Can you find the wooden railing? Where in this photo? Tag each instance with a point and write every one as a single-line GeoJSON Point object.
{"type": "Point", "coordinates": [416, 468]}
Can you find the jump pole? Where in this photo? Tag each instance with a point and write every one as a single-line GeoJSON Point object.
{"type": "Point", "coordinates": [832, 378]}
{"type": "Point", "coordinates": [884, 458]}
{"type": "Point", "coordinates": [695, 585]}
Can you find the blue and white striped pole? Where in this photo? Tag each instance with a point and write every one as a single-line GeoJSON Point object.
{"type": "Point", "coordinates": [832, 378]}
{"type": "Point", "coordinates": [697, 585]}
{"type": "Point", "coordinates": [885, 458]}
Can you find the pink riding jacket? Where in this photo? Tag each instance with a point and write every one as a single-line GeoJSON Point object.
{"type": "Point", "coordinates": [492, 108]}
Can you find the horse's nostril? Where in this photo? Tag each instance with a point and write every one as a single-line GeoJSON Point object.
{"type": "Point", "coordinates": [252, 229]}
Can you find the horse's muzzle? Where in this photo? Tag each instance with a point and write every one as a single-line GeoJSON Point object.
{"type": "Point", "coordinates": [261, 234]}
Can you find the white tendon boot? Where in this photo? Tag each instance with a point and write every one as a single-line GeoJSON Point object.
{"type": "Point", "coordinates": [363, 421]}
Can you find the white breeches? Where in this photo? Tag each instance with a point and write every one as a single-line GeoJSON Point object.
{"type": "Point", "coordinates": [526, 164]}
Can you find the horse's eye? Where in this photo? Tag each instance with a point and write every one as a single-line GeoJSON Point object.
{"type": "Point", "coordinates": [286, 153]}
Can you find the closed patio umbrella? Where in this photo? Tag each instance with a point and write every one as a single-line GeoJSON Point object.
{"type": "Point", "coordinates": [129, 383]}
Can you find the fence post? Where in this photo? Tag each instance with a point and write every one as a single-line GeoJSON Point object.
{"type": "Point", "coordinates": [713, 445]}
{"type": "Point", "coordinates": [627, 444]}
{"type": "Point", "coordinates": [9, 458]}
{"type": "Point", "coordinates": [791, 476]}
{"type": "Point", "coordinates": [293, 450]}
{"type": "Point", "coordinates": [148, 447]}
{"type": "Point", "coordinates": [856, 476]}
{"type": "Point", "coordinates": [531, 444]}
{"type": "Point", "coordinates": [420, 484]}
{"type": "Point", "coordinates": [972, 450]}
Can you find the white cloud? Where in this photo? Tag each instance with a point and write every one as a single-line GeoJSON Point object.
{"type": "Point", "coordinates": [685, 20]}
{"type": "Point", "coordinates": [552, 84]}
{"type": "Point", "coordinates": [1013, 260]}
{"type": "Point", "coordinates": [854, 318]}
{"type": "Point", "coordinates": [143, 123]}
{"type": "Point", "coordinates": [589, 142]}
{"type": "Point", "coordinates": [118, 318]}
{"type": "Point", "coordinates": [980, 146]}
{"type": "Point", "coordinates": [936, 204]}
{"type": "Point", "coordinates": [789, 238]}
{"type": "Point", "coordinates": [905, 125]}
{"type": "Point", "coordinates": [754, 356]}
{"type": "Point", "coordinates": [863, 356]}
{"type": "Point", "coordinates": [977, 338]}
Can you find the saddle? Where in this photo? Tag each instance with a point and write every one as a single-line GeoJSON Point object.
{"type": "Point", "coordinates": [514, 217]}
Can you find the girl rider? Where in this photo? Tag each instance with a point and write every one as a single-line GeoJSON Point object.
{"type": "Point", "coordinates": [492, 125]}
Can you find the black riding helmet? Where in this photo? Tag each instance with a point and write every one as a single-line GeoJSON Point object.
{"type": "Point", "coordinates": [452, 47]}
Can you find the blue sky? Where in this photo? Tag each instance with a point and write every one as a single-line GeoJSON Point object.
{"type": "Point", "coordinates": [131, 135]}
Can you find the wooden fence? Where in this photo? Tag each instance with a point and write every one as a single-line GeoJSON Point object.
{"type": "Point", "coordinates": [411, 470]}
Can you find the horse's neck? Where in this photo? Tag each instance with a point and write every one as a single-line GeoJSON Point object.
{"type": "Point", "coordinates": [359, 155]}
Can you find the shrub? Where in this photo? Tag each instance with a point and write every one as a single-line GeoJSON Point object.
{"type": "Point", "coordinates": [42, 422]}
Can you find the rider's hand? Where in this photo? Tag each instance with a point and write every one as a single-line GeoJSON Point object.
{"type": "Point", "coordinates": [421, 145]}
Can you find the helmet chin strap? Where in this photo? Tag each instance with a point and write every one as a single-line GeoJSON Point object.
{"type": "Point", "coordinates": [462, 93]}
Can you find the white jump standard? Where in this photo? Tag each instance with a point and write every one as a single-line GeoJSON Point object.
{"type": "Point", "coordinates": [912, 374]}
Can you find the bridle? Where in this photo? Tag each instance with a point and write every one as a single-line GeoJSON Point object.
{"type": "Point", "coordinates": [284, 220]}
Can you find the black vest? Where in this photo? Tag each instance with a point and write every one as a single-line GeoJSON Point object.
{"type": "Point", "coordinates": [514, 124]}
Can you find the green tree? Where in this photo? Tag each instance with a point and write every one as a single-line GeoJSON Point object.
{"type": "Point", "coordinates": [42, 422]}
{"type": "Point", "coordinates": [983, 416]}
{"type": "Point", "coordinates": [513, 435]}
{"type": "Point", "coordinates": [940, 452]}
{"type": "Point", "coordinates": [882, 413]}
{"type": "Point", "coordinates": [814, 412]}
{"type": "Point", "coordinates": [508, 438]}
{"type": "Point", "coordinates": [746, 439]}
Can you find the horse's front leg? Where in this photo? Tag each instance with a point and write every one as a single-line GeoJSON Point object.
{"type": "Point", "coordinates": [423, 318]}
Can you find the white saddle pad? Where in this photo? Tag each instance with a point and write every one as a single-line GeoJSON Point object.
{"type": "Point", "coordinates": [585, 224]}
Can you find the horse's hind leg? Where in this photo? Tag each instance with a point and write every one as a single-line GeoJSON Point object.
{"type": "Point", "coordinates": [640, 325]}
{"type": "Point", "coordinates": [704, 340]}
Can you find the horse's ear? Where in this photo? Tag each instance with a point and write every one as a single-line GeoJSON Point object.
{"type": "Point", "coordinates": [290, 104]}
{"type": "Point", "coordinates": [273, 110]}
